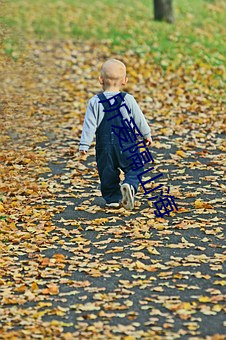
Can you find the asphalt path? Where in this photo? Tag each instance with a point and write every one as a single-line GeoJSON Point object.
{"type": "Point", "coordinates": [182, 296]}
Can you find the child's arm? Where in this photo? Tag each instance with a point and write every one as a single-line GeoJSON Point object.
{"type": "Point", "coordinates": [141, 122]}
{"type": "Point", "coordinates": [88, 130]}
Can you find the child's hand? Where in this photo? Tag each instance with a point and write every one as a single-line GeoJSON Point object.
{"type": "Point", "coordinates": [83, 152]}
{"type": "Point", "coordinates": [148, 141]}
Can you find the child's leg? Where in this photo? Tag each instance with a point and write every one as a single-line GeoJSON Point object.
{"type": "Point", "coordinates": [130, 184]}
{"type": "Point", "coordinates": [130, 175]}
{"type": "Point", "coordinates": [107, 166]}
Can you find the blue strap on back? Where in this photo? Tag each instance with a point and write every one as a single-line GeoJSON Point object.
{"type": "Point", "coordinates": [105, 103]}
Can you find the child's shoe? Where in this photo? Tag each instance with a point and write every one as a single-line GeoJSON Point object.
{"type": "Point", "coordinates": [128, 194]}
{"type": "Point", "coordinates": [113, 205]}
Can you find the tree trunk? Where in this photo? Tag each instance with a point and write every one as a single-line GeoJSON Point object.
{"type": "Point", "coordinates": [163, 10]}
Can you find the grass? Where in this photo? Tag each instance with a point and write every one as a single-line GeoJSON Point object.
{"type": "Point", "coordinates": [197, 33]}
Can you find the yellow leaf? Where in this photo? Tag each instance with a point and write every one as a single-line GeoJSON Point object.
{"type": "Point", "coordinates": [115, 250]}
{"type": "Point", "coordinates": [204, 299]}
{"type": "Point", "coordinates": [21, 289]}
{"type": "Point", "coordinates": [53, 289]}
{"type": "Point", "coordinates": [200, 204]}
{"type": "Point", "coordinates": [159, 227]}
{"type": "Point", "coordinates": [187, 306]}
{"type": "Point", "coordinates": [38, 315]}
{"type": "Point", "coordinates": [100, 221]}
{"type": "Point", "coordinates": [192, 326]}
{"type": "Point", "coordinates": [44, 304]}
{"type": "Point", "coordinates": [140, 265]}
{"type": "Point", "coordinates": [59, 257]}
{"type": "Point", "coordinates": [67, 336]}
{"type": "Point", "coordinates": [181, 153]}
{"type": "Point", "coordinates": [1, 208]}
{"type": "Point", "coordinates": [34, 286]}
{"type": "Point", "coordinates": [153, 251]}
{"type": "Point", "coordinates": [78, 239]}
{"type": "Point", "coordinates": [222, 283]}
{"type": "Point", "coordinates": [158, 289]}
{"type": "Point", "coordinates": [217, 308]}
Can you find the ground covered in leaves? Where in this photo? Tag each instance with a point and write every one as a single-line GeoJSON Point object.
{"type": "Point", "coordinates": [71, 269]}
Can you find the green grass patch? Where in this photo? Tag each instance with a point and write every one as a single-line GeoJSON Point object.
{"type": "Point", "coordinates": [199, 29]}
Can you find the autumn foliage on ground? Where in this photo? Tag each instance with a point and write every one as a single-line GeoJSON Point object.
{"type": "Point", "coordinates": [69, 267]}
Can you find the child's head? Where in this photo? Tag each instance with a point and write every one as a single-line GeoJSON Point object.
{"type": "Point", "coordinates": [113, 75]}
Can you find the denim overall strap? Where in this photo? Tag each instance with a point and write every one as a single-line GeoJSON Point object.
{"type": "Point", "coordinates": [104, 135]}
{"type": "Point", "coordinates": [102, 97]}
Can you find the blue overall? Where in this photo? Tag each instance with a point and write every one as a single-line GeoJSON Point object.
{"type": "Point", "coordinates": [110, 158]}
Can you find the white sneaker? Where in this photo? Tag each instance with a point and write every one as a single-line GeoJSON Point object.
{"type": "Point", "coordinates": [113, 205]}
{"type": "Point", "coordinates": [128, 194]}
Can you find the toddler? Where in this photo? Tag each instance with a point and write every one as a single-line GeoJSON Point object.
{"type": "Point", "coordinates": [110, 115]}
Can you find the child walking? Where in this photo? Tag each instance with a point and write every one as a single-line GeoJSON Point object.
{"type": "Point", "coordinates": [107, 116]}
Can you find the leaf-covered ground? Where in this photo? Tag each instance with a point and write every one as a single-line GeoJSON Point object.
{"type": "Point", "coordinates": [69, 268]}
